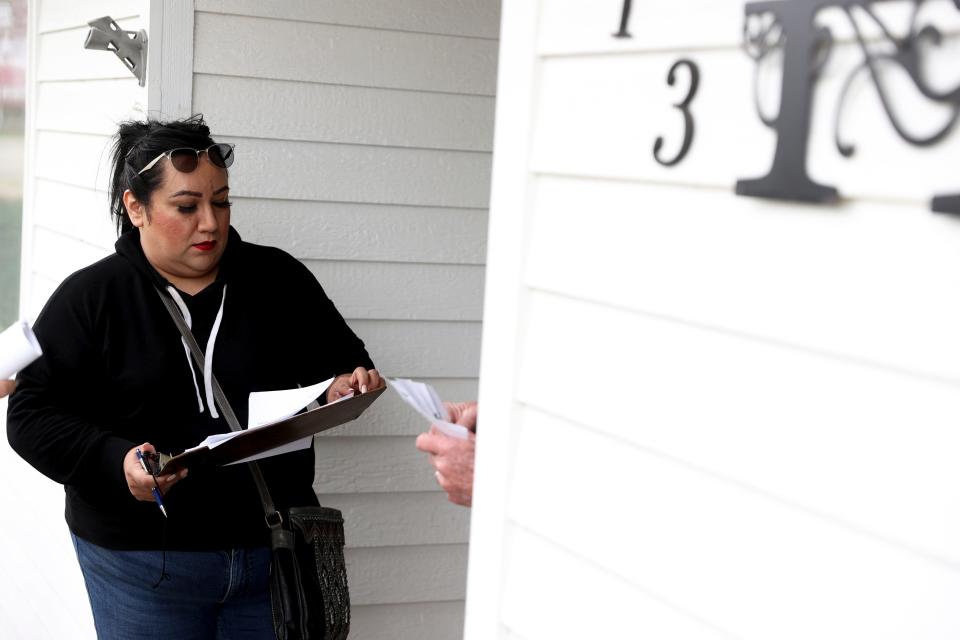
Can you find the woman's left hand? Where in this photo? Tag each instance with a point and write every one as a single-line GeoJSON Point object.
{"type": "Point", "coordinates": [360, 381]}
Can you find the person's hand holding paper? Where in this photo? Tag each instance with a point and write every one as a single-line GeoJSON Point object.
{"type": "Point", "coordinates": [451, 440]}
{"type": "Point", "coordinates": [360, 381]}
{"type": "Point", "coordinates": [451, 457]}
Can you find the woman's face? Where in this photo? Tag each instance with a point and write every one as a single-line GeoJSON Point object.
{"type": "Point", "coordinates": [184, 229]}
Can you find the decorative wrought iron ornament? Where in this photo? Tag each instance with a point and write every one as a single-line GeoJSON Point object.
{"type": "Point", "coordinates": [684, 107]}
{"type": "Point", "coordinates": [788, 25]}
{"type": "Point", "coordinates": [130, 46]}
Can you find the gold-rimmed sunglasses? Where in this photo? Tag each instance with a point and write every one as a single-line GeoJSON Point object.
{"type": "Point", "coordinates": [185, 159]}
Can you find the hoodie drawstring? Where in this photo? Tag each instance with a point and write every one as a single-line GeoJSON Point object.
{"type": "Point", "coordinates": [208, 356]}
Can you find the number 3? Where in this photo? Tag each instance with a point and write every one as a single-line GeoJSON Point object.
{"type": "Point", "coordinates": [684, 107]}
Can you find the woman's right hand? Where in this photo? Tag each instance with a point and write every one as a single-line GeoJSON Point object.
{"type": "Point", "coordinates": [140, 482]}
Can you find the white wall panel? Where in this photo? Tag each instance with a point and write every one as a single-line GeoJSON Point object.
{"type": "Point", "coordinates": [96, 106]}
{"type": "Point", "coordinates": [403, 291]}
{"type": "Point", "coordinates": [416, 349]}
{"type": "Point", "coordinates": [371, 464]}
{"type": "Point", "coordinates": [399, 519]}
{"type": "Point", "coordinates": [58, 15]}
{"type": "Point", "coordinates": [475, 18]}
{"type": "Point", "coordinates": [75, 159]}
{"type": "Point", "coordinates": [873, 448]}
{"type": "Point", "coordinates": [353, 173]}
{"type": "Point", "coordinates": [363, 231]}
{"type": "Point", "coordinates": [338, 113]}
{"type": "Point", "coordinates": [872, 281]}
{"type": "Point", "coordinates": [343, 55]}
{"type": "Point", "coordinates": [416, 621]}
{"type": "Point", "coordinates": [588, 602]}
{"type": "Point", "coordinates": [392, 575]}
{"type": "Point", "coordinates": [739, 560]}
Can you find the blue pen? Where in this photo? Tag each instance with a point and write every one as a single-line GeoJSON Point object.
{"type": "Point", "coordinates": [156, 490]}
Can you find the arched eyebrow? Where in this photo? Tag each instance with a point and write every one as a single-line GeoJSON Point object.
{"type": "Point", "coordinates": [197, 194]}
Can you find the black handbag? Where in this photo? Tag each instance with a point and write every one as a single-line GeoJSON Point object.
{"type": "Point", "coordinates": [308, 574]}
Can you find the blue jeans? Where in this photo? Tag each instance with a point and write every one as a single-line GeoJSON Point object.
{"type": "Point", "coordinates": [208, 595]}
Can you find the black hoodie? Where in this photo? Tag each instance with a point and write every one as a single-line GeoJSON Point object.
{"type": "Point", "coordinates": [114, 374]}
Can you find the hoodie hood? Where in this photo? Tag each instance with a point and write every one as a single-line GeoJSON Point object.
{"type": "Point", "coordinates": [128, 246]}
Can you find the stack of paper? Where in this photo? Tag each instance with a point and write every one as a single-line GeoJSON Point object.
{"type": "Point", "coordinates": [18, 348]}
{"type": "Point", "coordinates": [266, 407]}
{"type": "Point", "coordinates": [424, 399]}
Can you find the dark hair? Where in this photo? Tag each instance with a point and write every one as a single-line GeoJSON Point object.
{"type": "Point", "coordinates": [136, 144]}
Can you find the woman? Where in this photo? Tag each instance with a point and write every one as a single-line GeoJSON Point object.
{"type": "Point", "coordinates": [116, 377]}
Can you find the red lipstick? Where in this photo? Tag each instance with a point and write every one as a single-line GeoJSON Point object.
{"type": "Point", "coordinates": [205, 246]}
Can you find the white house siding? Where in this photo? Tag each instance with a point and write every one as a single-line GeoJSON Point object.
{"type": "Point", "coordinates": [75, 97]}
{"type": "Point", "coordinates": [711, 416]}
{"type": "Point", "coordinates": [364, 134]}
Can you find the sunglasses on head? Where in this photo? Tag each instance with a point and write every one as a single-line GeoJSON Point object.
{"type": "Point", "coordinates": [185, 159]}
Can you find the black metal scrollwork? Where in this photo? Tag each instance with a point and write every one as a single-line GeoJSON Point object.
{"type": "Point", "coordinates": [684, 107]}
{"type": "Point", "coordinates": [788, 25]}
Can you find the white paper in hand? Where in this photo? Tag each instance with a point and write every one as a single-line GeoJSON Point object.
{"type": "Point", "coordinates": [18, 348]}
{"type": "Point", "coordinates": [424, 399]}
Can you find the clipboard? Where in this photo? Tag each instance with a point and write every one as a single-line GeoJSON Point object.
{"type": "Point", "coordinates": [269, 436]}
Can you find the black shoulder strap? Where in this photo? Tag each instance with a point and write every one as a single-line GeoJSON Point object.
{"type": "Point", "coordinates": [270, 512]}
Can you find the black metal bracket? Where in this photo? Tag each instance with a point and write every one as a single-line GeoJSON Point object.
{"type": "Point", "coordinates": [130, 46]}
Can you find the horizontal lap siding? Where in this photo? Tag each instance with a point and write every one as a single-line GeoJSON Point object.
{"type": "Point", "coordinates": [741, 561]}
{"type": "Point", "coordinates": [366, 231]}
{"type": "Point", "coordinates": [69, 221]}
{"type": "Point", "coordinates": [362, 174]}
{"type": "Point", "coordinates": [531, 604]}
{"type": "Point", "coordinates": [432, 621]}
{"type": "Point", "coordinates": [307, 111]}
{"type": "Point", "coordinates": [76, 97]}
{"type": "Point", "coordinates": [344, 55]}
{"type": "Point", "coordinates": [760, 438]}
{"type": "Point", "coordinates": [469, 18]}
{"type": "Point", "coordinates": [363, 135]}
